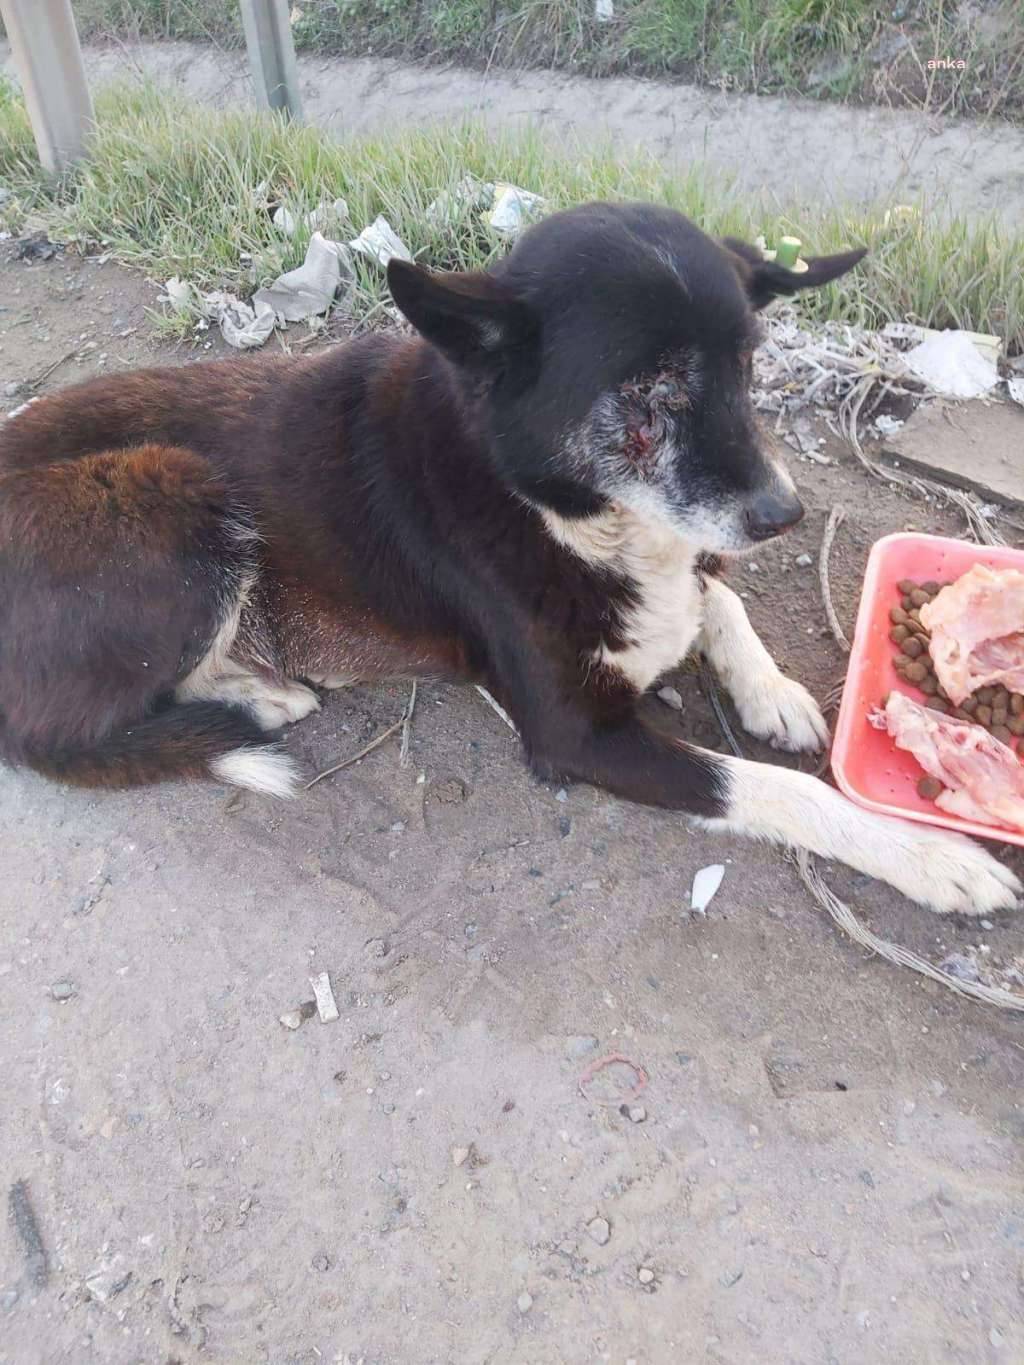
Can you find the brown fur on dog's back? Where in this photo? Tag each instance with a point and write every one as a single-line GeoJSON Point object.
{"type": "Point", "coordinates": [115, 571]}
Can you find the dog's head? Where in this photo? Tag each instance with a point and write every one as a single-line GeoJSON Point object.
{"type": "Point", "coordinates": [611, 355]}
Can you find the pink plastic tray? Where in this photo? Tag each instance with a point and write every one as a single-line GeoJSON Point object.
{"type": "Point", "coordinates": [867, 765]}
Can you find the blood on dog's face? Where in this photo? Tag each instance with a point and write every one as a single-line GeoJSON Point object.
{"type": "Point", "coordinates": [609, 358]}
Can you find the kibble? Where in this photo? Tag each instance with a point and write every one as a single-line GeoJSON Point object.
{"type": "Point", "coordinates": [906, 585]}
{"type": "Point", "coordinates": [985, 695]}
{"type": "Point", "coordinates": [919, 597]}
{"type": "Point", "coordinates": [1001, 733]}
{"type": "Point", "coordinates": [897, 616]}
{"type": "Point", "coordinates": [1017, 704]}
{"type": "Point", "coordinates": [1015, 725]}
{"type": "Point", "coordinates": [913, 647]}
{"type": "Point", "coordinates": [898, 634]}
{"type": "Point", "coordinates": [929, 788]}
{"type": "Point", "coordinates": [999, 714]}
{"type": "Point", "coordinates": [969, 704]}
{"type": "Point", "coordinates": [983, 715]}
{"type": "Point", "coordinates": [931, 587]}
{"type": "Point", "coordinates": [915, 671]}
{"type": "Point", "coordinates": [902, 662]}
{"type": "Point", "coordinates": [937, 704]}
{"type": "Point", "coordinates": [906, 603]}
{"type": "Point", "coordinates": [928, 686]}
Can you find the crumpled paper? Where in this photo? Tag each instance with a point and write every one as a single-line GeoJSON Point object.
{"type": "Point", "coordinates": [310, 288]}
{"type": "Point", "coordinates": [324, 215]}
{"type": "Point", "coordinates": [514, 209]}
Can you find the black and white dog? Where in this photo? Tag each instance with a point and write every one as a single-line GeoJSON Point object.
{"type": "Point", "coordinates": [535, 492]}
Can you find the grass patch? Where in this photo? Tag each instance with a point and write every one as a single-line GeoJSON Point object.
{"type": "Point", "coordinates": [175, 189]}
{"type": "Point", "coordinates": [862, 49]}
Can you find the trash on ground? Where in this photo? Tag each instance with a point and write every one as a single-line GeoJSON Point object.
{"type": "Point", "coordinates": [325, 1003]}
{"type": "Point", "coordinates": [468, 196]}
{"type": "Point", "coordinates": [324, 215]}
{"type": "Point", "coordinates": [705, 883]}
{"type": "Point", "coordinates": [1015, 388]}
{"type": "Point", "coordinates": [380, 242]}
{"type": "Point", "coordinates": [670, 697]}
{"type": "Point", "coordinates": [951, 364]}
{"type": "Point", "coordinates": [514, 209]}
{"type": "Point", "coordinates": [612, 1080]}
{"type": "Point", "coordinates": [242, 325]}
{"type": "Point", "coordinates": [311, 288]}
{"type": "Point", "coordinates": [887, 425]}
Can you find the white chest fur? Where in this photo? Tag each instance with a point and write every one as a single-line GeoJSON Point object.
{"type": "Point", "coordinates": [662, 627]}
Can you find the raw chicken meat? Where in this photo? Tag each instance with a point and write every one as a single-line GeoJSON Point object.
{"type": "Point", "coordinates": [977, 630]}
{"type": "Point", "coordinates": [983, 777]}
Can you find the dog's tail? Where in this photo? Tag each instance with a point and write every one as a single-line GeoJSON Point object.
{"type": "Point", "coordinates": [192, 739]}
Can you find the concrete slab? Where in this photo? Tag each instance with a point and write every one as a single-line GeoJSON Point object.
{"type": "Point", "coordinates": [979, 446]}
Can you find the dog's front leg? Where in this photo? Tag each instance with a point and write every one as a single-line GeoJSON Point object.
{"type": "Point", "coordinates": [594, 734]}
{"type": "Point", "coordinates": [770, 705]}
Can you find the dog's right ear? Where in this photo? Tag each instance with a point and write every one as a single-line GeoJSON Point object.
{"type": "Point", "coordinates": [472, 317]}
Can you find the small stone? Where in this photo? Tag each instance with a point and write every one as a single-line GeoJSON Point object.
{"type": "Point", "coordinates": [645, 1275]}
{"type": "Point", "coordinates": [580, 1045]}
{"type": "Point", "coordinates": [637, 1113]}
{"type": "Point", "coordinates": [377, 947]}
{"type": "Point", "coordinates": [987, 924]}
{"type": "Point", "coordinates": [599, 1231]}
{"type": "Point", "coordinates": [803, 561]}
{"type": "Point", "coordinates": [995, 1337]}
{"type": "Point", "coordinates": [671, 697]}
{"type": "Point", "coordinates": [8, 1299]}
{"type": "Point", "coordinates": [398, 827]}
{"type": "Point", "coordinates": [321, 1262]}
{"type": "Point", "coordinates": [561, 794]}
{"type": "Point", "coordinates": [292, 1019]}
{"type": "Point", "coordinates": [753, 567]}
{"type": "Point", "coordinates": [63, 990]}
{"type": "Point", "coordinates": [460, 1155]}
{"type": "Point", "coordinates": [11, 389]}
{"type": "Point", "coordinates": [524, 1302]}
{"type": "Point", "coordinates": [389, 1109]}
{"type": "Point", "coordinates": [564, 826]}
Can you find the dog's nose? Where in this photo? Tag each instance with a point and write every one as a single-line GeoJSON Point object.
{"type": "Point", "coordinates": [771, 513]}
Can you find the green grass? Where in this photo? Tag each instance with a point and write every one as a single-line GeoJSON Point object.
{"type": "Point", "coordinates": [825, 48]}
{"type": "Point", "coordinates": [172, 188]}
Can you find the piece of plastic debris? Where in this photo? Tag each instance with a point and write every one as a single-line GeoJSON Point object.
{"type": "Point", "coordinates": [803, 561]}
{"type": "Point", "coordinates": [886, 425]}
{"type": "Point", "coordinates": [787, 254]}
{"type": "Point", "coordinates": [670, 697]}
{"type": "Point", "coordinates": [468, 196]}
{"type": "Point", "coordinates": [636, 1113]}
{"type": "Point", "coordinates": [310, 289]}
{"type": "Point", "coordinates": [179, 294]}
{"type": "Point", "coordinates": [325, 1004]}
{"type": "Point", "coordinates": [604, 11]}
{"type": "Point", "coordinates": [242, 325]}
{"type": "Point", "coordinates": [951, 364]}
{"type": "Point", "coordinates": [380, 242]}
{"type": "Point", "coordinates": [705, 883]}
{"type": "Point", "coordinates": [460, 1155]}
{"type": "Point", "coordinates": [317, 219]}
{"type": "Point", "coordinates": [1015, 388]}
{"type": "Point", "coordinates": [514, 209]}
{"type": "Point", "coordinates": [524, 1302]}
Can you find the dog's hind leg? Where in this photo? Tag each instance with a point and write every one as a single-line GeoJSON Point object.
{"type": "Point", "coordinates": [770, 705]}
{"type": "Point", "coordinates": [272, 701]}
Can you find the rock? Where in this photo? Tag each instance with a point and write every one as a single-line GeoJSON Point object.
{"type": "Point", "coordinates": [377, 947]}
{"type": "Point", "coordinates": [460, 1155]}
{"type": "Point", "coordinates": [561, 794]}
{"type": "Point", "coordinates": [753, 567]}
{"type": "Point", "coordinates": [637, 1113]}
{"type": "Point", "coordinates": [645, 1275]}
{"type": "Point", "coordinates": [803, 561]}
{"type": "Point", "coordinates": [671, 697]}
{"type": "Point", "coordinates": [12, 389]}
{"type": "Point", "coordinates": [960, 966]}
{"type": "Point", "coordinates": [326, 1005]}
{"type": "Point", "coordinates": [524, 1302]}
{"type": "Point", "coordinates": [995, 1337]}
{"type": "Point", "coordinates": [564, 826]}
{"type": "Point", "coordinates": [580, 1045]}
{"type": "Point", "coordinates": [63, 990]}
{"type": "Point", "coordinates": [321, 1262]}
{"type": "Point", "coordinates": [8, 1299]}
{"type": "Point", "coordinates": [599, 1231]}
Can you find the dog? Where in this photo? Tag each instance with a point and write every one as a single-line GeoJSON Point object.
{"type": "Point", "coordinates": [535, 491]}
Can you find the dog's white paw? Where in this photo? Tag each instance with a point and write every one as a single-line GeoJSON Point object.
{"type": "Point", "coordinates": [274, 705]}
{"type": "Point", "coordinates": [952, 875]}
{"type": "Point", "coordinates": [782, 711]}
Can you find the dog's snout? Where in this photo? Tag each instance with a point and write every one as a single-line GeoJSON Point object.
{"type": "Point", "coordinates": [772, 512]}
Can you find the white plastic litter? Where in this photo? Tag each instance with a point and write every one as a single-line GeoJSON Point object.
{"type": "Point", "coordinates": [887, 425]}
{"type": "Point", "coordinates": [325, 1003]}
{"type": "Point", "coordinates": [325, 214]}
{"type": "Point", "coordinates": [310, 288]}
{"type": "Point", "coordinates": [604, 11]}
{"type": "Point", "coordinates": [705, 884]}
{"type": "Point", "coordinates": [242, 325]}
{"type": "Point", "coordinates": [1015, 387]}
{"type": "Point", "coordinates": [178, 293]}
{"type": "Point", "coordinates": [514, 209]}
{"type": "Point", "coordinates": [469, 195]}
{"type": "Point", "coordinates": [951, 364]}
{"type": "Point", "coordinates": [380, 242]}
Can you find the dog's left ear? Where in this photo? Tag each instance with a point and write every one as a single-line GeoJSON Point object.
{"type": "Point", "coordinates": [472, 317]}
{"type": "Point", "coordinates": [764, 280]}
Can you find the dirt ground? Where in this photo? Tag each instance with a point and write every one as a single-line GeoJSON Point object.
{"type": "Point", "coordinates": [826, 1164]}
{"type": "Point", "coordinates": [799, 150]}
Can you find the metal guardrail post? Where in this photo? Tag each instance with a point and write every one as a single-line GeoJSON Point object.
{"type": "Point", "coordinates": [48, 60]}
{"type": "Point", "coordinates": [268, 38]}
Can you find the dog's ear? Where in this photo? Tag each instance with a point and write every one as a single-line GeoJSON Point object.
{"type": "Point", "coordinates": [472, 317]}
{"type": "Point", "coordinates": [764, 280]}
